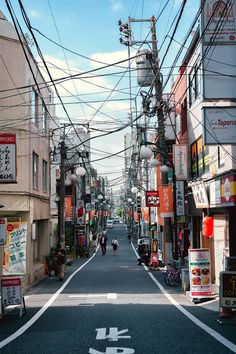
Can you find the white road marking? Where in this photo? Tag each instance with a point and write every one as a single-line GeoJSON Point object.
{"type": "Point", "coordinates": [199, 323]}
{"type": "Point", "coordinates": [87, 296]}
{"type": "Point", "coordinates": [112, 350]}
{"type": "Point", "coordinates": [108, 296]}
{"type": "Point", "coordinates": [28, 324]}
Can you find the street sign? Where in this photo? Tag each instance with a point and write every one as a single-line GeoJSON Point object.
{"type": "Point", "coordinates": [11, 291]}
{"type": "Point", "coordinates": [228, 289]}
{"type": "Point", "coordinates": [3, 231]}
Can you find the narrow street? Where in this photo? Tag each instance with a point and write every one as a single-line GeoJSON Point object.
{"type": "Point", "coordinates": [109, 304]}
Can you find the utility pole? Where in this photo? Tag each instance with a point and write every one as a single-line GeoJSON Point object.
{"type": "Point", "coordinates": [168, 239]}
{"type": "Point", "coordinates": [62, 191]}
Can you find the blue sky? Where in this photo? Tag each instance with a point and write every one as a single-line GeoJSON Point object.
{"type": "Point", "coordinates": [90, 29]}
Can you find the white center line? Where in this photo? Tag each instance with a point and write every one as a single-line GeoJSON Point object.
{"type": "Point", "coordinates": [199, 323]}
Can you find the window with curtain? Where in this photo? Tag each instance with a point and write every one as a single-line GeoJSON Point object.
{"type": "Point", "coordinates": [34, 107]}
{"type": "Point", "coordinates": [44, 119]}
{"type": "Point", "coordinates": [35, 170]}
{"type": "Point", "coordinates": [45, 176]}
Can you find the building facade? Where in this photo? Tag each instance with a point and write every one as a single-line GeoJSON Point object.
{"type": "Point", "coordinates": [25, 114]}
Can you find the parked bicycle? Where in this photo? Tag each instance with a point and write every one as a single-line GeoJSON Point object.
{"type": "Point", "coordinates": [172, 275]}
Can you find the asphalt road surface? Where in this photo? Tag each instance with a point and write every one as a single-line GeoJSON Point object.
{"type": "Point", "coordinates": [109, 304]}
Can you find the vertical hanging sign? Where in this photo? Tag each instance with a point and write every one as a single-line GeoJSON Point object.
{"type": "Point", "coordinates": [180, 161]}
{"type": "Point", "coordinates": [7, 158]}
{"type": "Point", "coordinates": [166, 201]}
{"type": "Point", "coordinates": [3, 231]}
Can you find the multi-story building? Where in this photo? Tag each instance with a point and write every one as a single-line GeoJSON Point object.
{"type": "Point", "coordinates": [209, 70]}
{"type": "Point", "coordinates": [25, 113]}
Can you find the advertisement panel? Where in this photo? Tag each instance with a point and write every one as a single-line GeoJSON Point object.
{"type": "Point", "coordinates": [200, 273]}
{"type": "Point", "coordinates": [218, 22]}
{"type": "Point", "coordinates": [180, 161]}
{"type": "Point", "coordinates": [3, 231]}
{"type": "Point", "coordinates": [228, 190]}
{"type": "Point", "coordinates": [11, 291]}
{"type": "Point", "coordinates": [152, 198]}
{"type": "Point", "coordinates": [219, 125]}
{"type": "Point", "coordinates": [228, 289]}
{"type": "Point", "coordinates": [200, 195]}
{"type": "Point", "coordinates": [180, 198]}
{"type": "Point", "coordinates": [215, 194]}
{"type": "Point", "coordinates": [7, 158]}
{"type": "Point", "coordinates": [166, 201]}
{"type": "Point", "coordinates": [68, 212]}
{"type": "Point", "coordinates": [14, 261]}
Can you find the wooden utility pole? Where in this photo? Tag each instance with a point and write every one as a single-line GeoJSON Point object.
{"type": "Point", "coordinates": [62, 191]}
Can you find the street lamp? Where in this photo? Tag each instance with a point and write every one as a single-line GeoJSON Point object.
{"type": "Point", "coordinates": [100, 198]}
{"type": "Point", "coordinates": [144, 153]}
{"type": "Point", "coordinates": [131, 225]}
{"type": "Point", "coordinates": [80, 171]}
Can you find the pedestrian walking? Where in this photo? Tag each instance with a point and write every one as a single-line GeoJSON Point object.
{"type": "Point", "coordinates": [103, 243]}
{"type": "Point", "coordinates": [94, 242]}
{"type": "Point", "coordinates": [61, 261]}
{"type": "Point", "coordinates": [115, 245]}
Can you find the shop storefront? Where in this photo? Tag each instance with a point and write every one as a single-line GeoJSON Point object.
{"type": "Point", "coordinates": [217, 198]}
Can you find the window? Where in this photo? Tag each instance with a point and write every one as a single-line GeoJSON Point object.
{"type": "Point", "coordinates": [44, 119]}
{"type": "Point", "coordinates": [221, 161]}
{"type": "Point", "coordinates": [184, 124]}
{"type": "Point", "coordinates": [45, 176]}
{"type": "Point", "coordinates": [34, 107]}
{"type": "Point", "coordinates": [35, 170]}
{"type": "Point", "coordinates": [193, 85]}
{"type": "Point", "coordinates": [177, 124]}
{"type": "Point", "coordinates": [199, 158]}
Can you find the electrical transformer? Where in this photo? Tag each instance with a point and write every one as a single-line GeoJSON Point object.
{"type": "Point", "coordinates": [144, 65]}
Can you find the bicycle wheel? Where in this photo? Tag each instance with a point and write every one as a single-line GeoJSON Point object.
{"type": "Point", "coordinates": [166, 277]}
{"type": "Point", "coordinates": [171, 279]}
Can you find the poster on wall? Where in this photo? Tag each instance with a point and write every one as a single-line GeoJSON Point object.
{"type": "Point", "coordinates": [3, 231]}
{"type": "Point", "coordinates": [218, 22]}
{"type": "Point", "coordinates": [14, 260]}
{"type": "Point", "coordinates": [200, 273]}
{"type": "Point", "coordinates": [7, 158]}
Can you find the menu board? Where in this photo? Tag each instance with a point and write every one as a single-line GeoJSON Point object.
{"type": "Point", "coordinates": [228, 289]}
{"type": "Point", "coordinates": [200, 273]}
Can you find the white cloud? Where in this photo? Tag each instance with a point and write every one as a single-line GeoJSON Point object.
{"type": "Point", "coordinates": [116, 6]}
{"type": "Point", "coordinates": [109, 58]}
{"type": "Point", "coordinates": [35, 14]}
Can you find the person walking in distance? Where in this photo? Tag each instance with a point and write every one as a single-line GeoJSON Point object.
{"type": "Point", "coordinates": [61, 261]}
{"type": "Point", "coordinates": [115, 245]}
{"type": "Point", "coordinates": [103, 243]}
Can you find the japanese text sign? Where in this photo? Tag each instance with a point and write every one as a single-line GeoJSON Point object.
{"type": "Point", "coordinates": [152, 198]}
{"type": "Point", "coordinates": [7, 158]}
{"type": "Point", "coordinates": [200, 273]}
{"type": "Point", "coordinates": [166, 201]}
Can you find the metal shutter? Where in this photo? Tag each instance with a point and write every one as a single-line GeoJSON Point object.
{"type": "Point", "coordinates": [220, 237]}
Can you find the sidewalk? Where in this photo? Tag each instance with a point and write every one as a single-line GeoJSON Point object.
{"type": "Point", "coordinates": [211, 303]}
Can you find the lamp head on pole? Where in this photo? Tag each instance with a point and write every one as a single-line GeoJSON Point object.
{"type": "Point", "coordinates": [164, 168]}
{"type": "Point", "coordinates": [100, 197]}
{"type": "Point", "coordinates": [80, 171]}
{"type": "Point", "coordinates": [145, 152]}
{"type": "Point", "coordinates": [134, 189]}
{"type": "Point", "coordinates": [154, 162]}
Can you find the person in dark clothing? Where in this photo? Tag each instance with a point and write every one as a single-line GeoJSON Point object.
{"type": "Point", "coordinates": [61, 261]}
{"type": "Point", "coordinates": [103, 243]}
